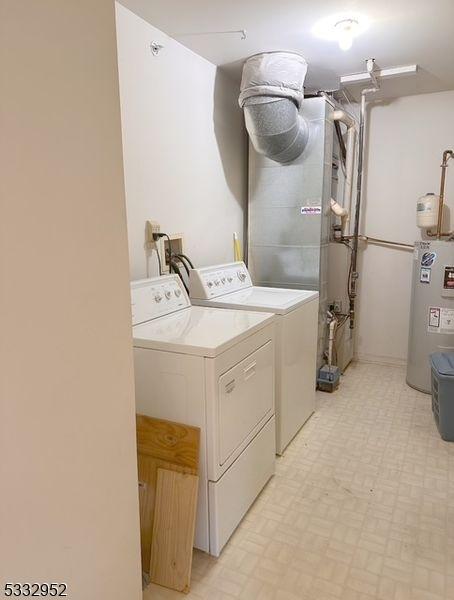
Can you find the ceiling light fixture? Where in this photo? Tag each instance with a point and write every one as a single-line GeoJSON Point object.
{"type": "Point", "coordinates": [346, 28]}
{"type": "Point", "coordinates": [342, 28]}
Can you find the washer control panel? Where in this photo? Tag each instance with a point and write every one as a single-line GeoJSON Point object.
{"type": "Point", "coordinates": [211, 282]}
{"type": "Point", "coordinates": [156, 297]}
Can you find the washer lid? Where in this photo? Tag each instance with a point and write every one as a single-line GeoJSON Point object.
{"type": "Point", "coordinates": [199, 330]}
{"type": "Point", "coordinates": [276, 300]}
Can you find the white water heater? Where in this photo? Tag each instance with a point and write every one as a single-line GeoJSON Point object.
{"type": "Point", "coordinates": [432, 309]}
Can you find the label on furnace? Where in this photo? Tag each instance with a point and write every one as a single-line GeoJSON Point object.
{"type": "Point", "coordinates": [311, 210]}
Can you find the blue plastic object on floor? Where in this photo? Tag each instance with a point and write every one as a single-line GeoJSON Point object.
{"type": "Point", "coordinates": [328, 378]}
{"type": "Point", "coordinates": [443, 393]}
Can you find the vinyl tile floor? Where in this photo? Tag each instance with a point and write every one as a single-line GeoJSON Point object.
{"type": "Point", "coordinates": [361, 506]}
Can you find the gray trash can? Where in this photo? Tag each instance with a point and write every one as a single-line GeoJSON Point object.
{"type": "Point", "coordinates": [443, 393]}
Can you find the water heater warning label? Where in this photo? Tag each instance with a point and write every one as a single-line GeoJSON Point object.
{"type": "Point", "coordinates": [424, 276]}
{"type": "Point", "coordinates": [448, 278]}
{"type": "Point", "coordinates": [441, 320]}
{"type": "Point", "coordinates": [434, 318]}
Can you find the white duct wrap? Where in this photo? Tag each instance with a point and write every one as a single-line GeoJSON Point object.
{"type": "Point", "coordinates": [279, 74]}
{"type": "Point", "coordinates": [272, 90]}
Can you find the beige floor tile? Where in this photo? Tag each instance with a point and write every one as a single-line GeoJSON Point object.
{"type": "Point", "coordinates": [361, 507]}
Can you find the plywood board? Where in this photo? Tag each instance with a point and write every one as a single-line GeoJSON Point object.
{"type": "Point", "coordinates": [161, 444]}
{"type": "Point", "coordinates": [173, 529]}
{"type": "Point", "coordinates": [171, 442]}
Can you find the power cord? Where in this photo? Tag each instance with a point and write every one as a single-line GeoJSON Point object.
{"type": "Point", "coordinates": [170, 251]}
{"type": "Point", "coordinates": [156, 237]}
{"type": "Point", "coordinates": [187, 264]}
{"type": "Point", "coordinates": [176, 268]}
{"type": "Point", "coordinates": [159, 262]}
{"type": "Point", "coordinates": [182, 262]}
{"type": "Point", "coordinates": [186, 258]}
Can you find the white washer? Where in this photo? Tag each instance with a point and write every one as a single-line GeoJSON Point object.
{"type": "Point", "coordinates": [230, 286]}
{"type": "Point", "coordinates": [215, 370]}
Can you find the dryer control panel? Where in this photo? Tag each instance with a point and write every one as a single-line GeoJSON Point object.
{"type": "Point", "coordinates": [156, 297]}
{"type": "Point", "coordinates": [211, 282]}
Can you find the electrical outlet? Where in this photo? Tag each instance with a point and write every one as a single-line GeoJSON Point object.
{"type": "Point", "coordinates": [176, 240]}
{"type": "Point", "coordinates": [151, 228]}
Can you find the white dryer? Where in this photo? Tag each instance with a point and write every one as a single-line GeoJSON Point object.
{"type": "Point", "coordinates": [230, 286]}
{"type": "Point", "coordinates": [215, 370]}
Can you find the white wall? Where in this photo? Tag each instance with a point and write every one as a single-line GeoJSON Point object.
{"type": "Point", "coordinates": [184, 146]}
{"type": "Point", "coordinates": [406, 139]}
{"type": "Point", "coordinates": [68, 501]}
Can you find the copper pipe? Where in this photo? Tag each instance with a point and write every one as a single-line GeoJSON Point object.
{"type": "Point", "coordinates": [442, 234]}
{"type": "Point", "coordinates": [447, 154]}
{"type": "Point", "coordinates": [367, 238]}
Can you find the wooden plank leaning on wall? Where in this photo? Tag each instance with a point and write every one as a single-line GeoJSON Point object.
{"type": "Point", "coordinates": [168, 463]}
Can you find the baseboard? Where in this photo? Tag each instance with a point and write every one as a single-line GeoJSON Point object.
{"type": "Point", "coordinates": [391, 361]}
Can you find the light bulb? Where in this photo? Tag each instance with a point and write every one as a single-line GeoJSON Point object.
{"type": "Point", "coordinates": [346, 31]}
{"type": "Point", "coordinates": [342, 28]}
{"type": "Point", "coordinates": [345, 41]}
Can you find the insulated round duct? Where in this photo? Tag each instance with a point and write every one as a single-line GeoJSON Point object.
{"type": "Point", "coordinates": [271, 95]}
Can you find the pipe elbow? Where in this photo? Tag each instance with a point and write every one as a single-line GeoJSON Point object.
{"type": "Point", "coordinates": [271, 95]}
{"type": "Point", "coordinates": [338, 210]}
{"type": "Point", "coordinates": [276, 129]}
{"type": "Point", "coordinates": [345, 118]}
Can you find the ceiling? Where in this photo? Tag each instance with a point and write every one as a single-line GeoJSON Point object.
{"type": "Point", "coordinates": [401, 32]}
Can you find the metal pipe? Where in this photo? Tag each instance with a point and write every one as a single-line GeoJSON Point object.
{"type": "Point", "coordinates": [342, 148]}
{"type": "Point", "coordinates": [442, 234]}
{"type": "Point", "coordinates": [370, 65]}
{"type": "Point", "coordinates": [447, 154]}
{"type": "Point", "coordinates": [349, 169]}
{"type": "Point", "coordinates": [354, 263]}
{"type": "Point", "coordinates": [345, 118]}
{"type": "Point", "coordinates": [332, 326]}
{"type": "Point", "coordinates": [367, 238]}
{"type": "Point", "coordinates": [271, 93]}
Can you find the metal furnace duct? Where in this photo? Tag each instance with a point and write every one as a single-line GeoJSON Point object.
{"type": "Point", "coordinates": [272, 90]}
